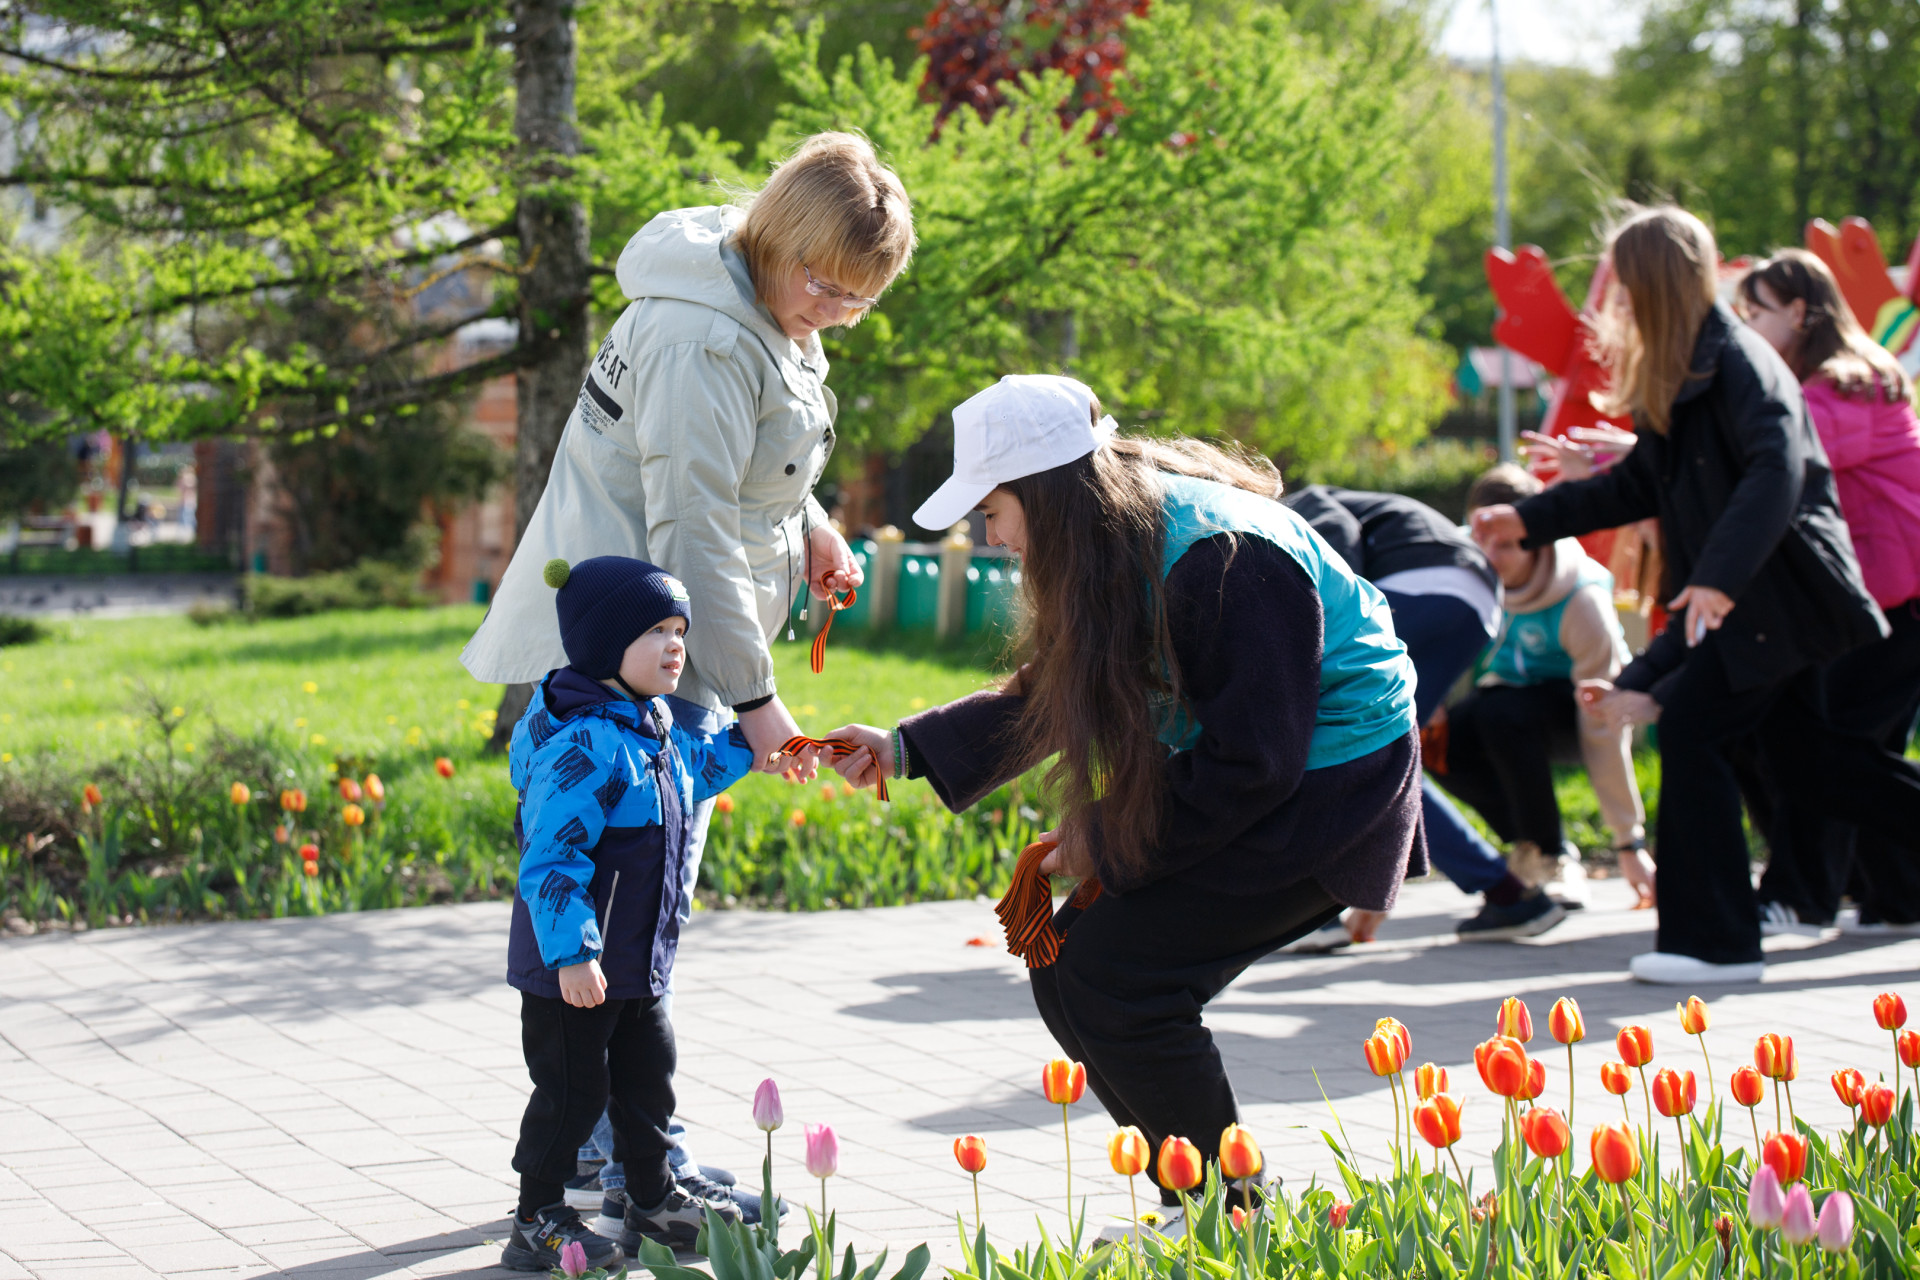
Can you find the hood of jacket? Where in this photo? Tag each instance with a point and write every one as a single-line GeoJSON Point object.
{"type": "Point", "coordinates": [569, 693]}
{"type": "Point", "coordinates": [689, 255]}
{"type": "Point", "coordinates": [1556, 572]}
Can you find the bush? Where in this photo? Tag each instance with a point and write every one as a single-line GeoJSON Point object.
{"type": "Point", "coordinates": [371, 584]}
{"type": "Point", "coordinates": [1436, 472]}
{"type": "Point", "coordinates": [17, 630]}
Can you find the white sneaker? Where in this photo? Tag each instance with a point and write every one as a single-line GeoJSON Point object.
{"type": "Point", "coordinates": [1862, 924]}
{"type": "Point", "coordinates": [1777, 919]}
{"type": "Point", "coordinates": [1669, 969]}
{"type": "Point", "coordinates": [1168, 1224]}
{"type": "Point", "coordinates": [1567, 880]}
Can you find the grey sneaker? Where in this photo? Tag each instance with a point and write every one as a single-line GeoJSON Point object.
{"type": "Point", "coordinates": [535, 1245]}
{"type": "Point", "coordinates": [674, 1222]}
{"type": "Point", "coordinates": [1534, 914]}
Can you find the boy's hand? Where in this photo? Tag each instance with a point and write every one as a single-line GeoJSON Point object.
{"type": "Point", "coordinates": [873, 761]}
{"type": "Point", "coordinates": [583, 985]}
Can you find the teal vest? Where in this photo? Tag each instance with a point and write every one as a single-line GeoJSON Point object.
{"type": "Point", "coordinates": [1528, 650]}
{"type": "Point", "coordinates": [1366, 679]}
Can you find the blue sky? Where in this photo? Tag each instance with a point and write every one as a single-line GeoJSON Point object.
{"type": "Point", "coordinates": [1564, 32]}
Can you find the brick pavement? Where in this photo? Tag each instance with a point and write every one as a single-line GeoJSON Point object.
{"type": "Point", "coordinates": [336, 1098]}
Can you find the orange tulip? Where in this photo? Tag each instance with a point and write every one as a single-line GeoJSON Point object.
{"type": "Point", "coordinates": [1438, 1120]}
{"type": "Point", "coordinates": [1180, 1166]}
{"type": "Point", "coordinates": [971, 1152]}
{"type": "Point", "coordinates": [1616, 1156]}
{"type": "Point", "coordinates": [1337, 1214]}
{"type": "Point", "coordinates": [240, 793]}
{"type": "Point", "coordinates": [724, 804]}
{"type": "Point", "coordinates": [89, 797]}
{"type": "Point", "coordinates": [1890, 1011]}
{"type": "Point", "coordinates": [1749, 1086]}
{"type": "Point", "coordinates": [1909, 1043]}
{"type": "Point", "coordinates": [1507, 1069]}
{"type": "Point", "coordinates": [1694, 1018]}
{"type": "Point", "coordinates": [828, 793]}
{"type": "Point", "coordinates": [1848, 1085]}
{"type": "Point", "coordinates": [1536, 1083]}
{"type": "Point", "coordinates": [1876, 1105]}
{"type": "Point", "coordinates": [1614, 1078]}
{"type": "Point", "coordinates": [1240, 1156]}
{"type": "Point", "coordinates": [1773, 1055]}
{"type": "Point", "coordinates": [349, 789]}
{"type": "Point", "coordinates": [1239, 1217]}
{"type": "Point", "coordinates": [1484, 1051]}
{"type": "Point", "coordinates": [281, 835]}
{"type": "Point", "coordinates": [1786, 1155]}
{"type": "Point", "coordinates": [1428, 1080]}
{"type": "Point", "coordinates": [310, 866]}
{"type": "Point", "coordinates": [1395, 1028]}
{"type": "Point", "coordinates": [1063, 1082]}
{"type": "Point", "coordinates": [293, 800]}
{"type": "Point", "coordinates": [1635, 1045]}
{"type": "Point", "coordinates": [1383, 1055]}
{"type": "Point", "coordinates": [1545, 1132]}
{"type": "Point", "coordinates": [1564, 1021]}
{"type": "Point", "coordinates": [1127, 1151]}
{"type": "Point", "coordinates": [1674, 1092]}
{"type": "Point", "coordinates": [443, 767]}
{"type": "Point", "coordinates": [376, 789]}
{"type": "Point", "coordinates": [353, 815]}
{"type": "Point", "coordinates": [1515, 1020]}
{"type": "Point", "coordinates": [798, 818]}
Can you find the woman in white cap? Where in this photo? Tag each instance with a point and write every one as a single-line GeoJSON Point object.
{"type": "Point", "coordinates": [1231, 713]}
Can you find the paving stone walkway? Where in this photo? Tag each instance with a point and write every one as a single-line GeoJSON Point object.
{"type": "Point", "coordinates": [336, 1098]}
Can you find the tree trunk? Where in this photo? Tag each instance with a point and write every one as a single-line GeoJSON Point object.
{"type": "Point", "coordinates": [554, 292]}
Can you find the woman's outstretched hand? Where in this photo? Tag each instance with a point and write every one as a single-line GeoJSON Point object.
{"type": "Point", "coordinates": [1706, 609]}
{"type": "Point", "coordinates": [768, 728]}
{"type": "Point", "coordinates": [835, 571]}
{"type": "Point", "coordinates": [1616, 708]}
{"type": "Point", "coordinates": [872, 762]}
{"type": "Point", "coordinates": [1066, 859]}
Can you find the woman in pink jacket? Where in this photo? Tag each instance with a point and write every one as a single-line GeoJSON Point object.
{"type": "Point", "coordinates": [1861, 402]}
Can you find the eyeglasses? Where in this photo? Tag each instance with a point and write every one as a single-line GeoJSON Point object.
{"type": "Point", "coordinates": [847, 301]}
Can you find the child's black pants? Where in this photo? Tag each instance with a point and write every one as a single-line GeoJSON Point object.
{"type": "Point", "coordinates": [1502, 741]}
{"type": "Point", "coordinates": [619, 1057]}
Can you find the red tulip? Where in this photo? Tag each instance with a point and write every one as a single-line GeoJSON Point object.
{"type": "Point", "coordinates": [1395, 1028]}
{"type": "Point", "coordinates": [1876, 1104]}
{"type": "Point", "coordinates": [1545, 1132]}
{"type": "Point", "coordinates": [349, 789]}
{"type": "Point", "coordinates": [1438, 1120]}
{"type": "Point", "coordinates": [1635, 1045]}
{"type": "Point", "coordinates": [1383, 1054]}
{"type": "Point", "coordinates": [1786, 1155]}
{"type": "Point", "coordinates": [1484, 1051]}
{"type": "Point", "coordinates": [1180, 1165]}
{"type": "Point", "coordinates": [1848, 1085]}
{"type": "Point", "coordinates": [1536, 1082]}
{"type": "Point", "coordinates": [1515, 1021]}
{"type": "Point", "coordinates": [1749, 1086]}
{"type": "Point", "coordinates": [1614, 1078]}
{"type": "Point", "coordinates": [1239, 1154]}
{"type": "Point", "coordinates": [89, 798]}
{"type": "Point", "coordinates": [1063, 1081]}
{"type": "Point", "coordinates": [1616, 1156]}
{"type": "Point", "coordinates": [1694, 1018]}
{"type": "Point", "coordinates": [443, 767]}
{"type": "Point", "coordinates": [1127, 1151]}
{"type": "Point", "coordinates": [1428, 1080]}
{"type": "Point", "coordinates": [971, 1152]}
{"type": "Point", "coordinates": [1909, 1044]}
{"type": "Point", "coordinates": [1337, 1214]}
{"type": "Point", "coordinates": [1674, 1092]}
{"type": "Point", "coordinates": [1239, 1217]}
{"type": "Point", "coordinates": [724, 804]}
{"type": "Point", "coordinates": [1506, 1069]}
{"type": "Point", "coordinates": [1564, 1021]}
{"type": "Point", "coordinates": [1890, 1011]}
{"type": "Point", "coordinates": [309, 852]}
{"type": "Point", "coordinates": [310, 866]}
{"type": "Point", "coordinates": [293, 800]}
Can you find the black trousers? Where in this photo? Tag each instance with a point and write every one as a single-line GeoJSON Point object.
{"type": "Point", "coordinates": [1707, 904]}
{"type": "Point", "coordinates": [1874, 692]}
{"type": "Point", "coordinates": [1126, 994]}
{"type": "Point", "coordinates": [1502, 741]}
{"type": "Point", "coordinates": [617, 1057]}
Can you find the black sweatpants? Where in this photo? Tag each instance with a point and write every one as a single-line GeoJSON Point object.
{"type": "Point", "coordinates": [1501, 744]}
{"type": "Point", "coordinates": [618, 1057]}
{"type": "Point", "coordinates": [1707, 905]}
{"type": "Point", "coordinates": [1135, 971]}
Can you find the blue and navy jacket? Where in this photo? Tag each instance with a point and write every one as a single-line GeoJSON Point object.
{"type": "Point", "coordinates": [606, 790]}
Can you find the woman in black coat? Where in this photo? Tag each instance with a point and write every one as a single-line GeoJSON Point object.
{"type": "Point", "coordinates": [1762, 576]}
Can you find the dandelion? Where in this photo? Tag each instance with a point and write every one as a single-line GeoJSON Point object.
{"type": "Point", "coordinates": [309, 687]}
{"type": "Point", "coordinates": [318, 739]}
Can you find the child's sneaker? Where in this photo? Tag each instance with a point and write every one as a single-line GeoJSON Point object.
{"type": "Point", "coordinates": [536, 1245]}
{"type": "Point", "coordinates": [675, 1222]}
{"type": "Point", "coordinates": [704, 1186]}
{"type": "Point", "coordinates": [613, 1214]}
{"type": "Point", "coordinates": [583, 1189]}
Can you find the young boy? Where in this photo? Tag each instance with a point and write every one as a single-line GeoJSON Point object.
{"type": "Point", "coordinates": [606, 784]}
{"type": "Point", "coordinates": [1559, 627]}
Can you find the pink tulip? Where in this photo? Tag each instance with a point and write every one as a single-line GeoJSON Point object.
{"type": "Point", "coordinates": [823, 1151]}
{"type": "Point", "coordinates": [1836, 1223]}
{"type": "Point", "coordinates": [1765, 1203]}
{"type": "Point", "coordinates": [573, 1259]}
{"type": "Point", "coordinates": [767, 1113]}
{"type": "Point", "coordinates": [1796, 1224]}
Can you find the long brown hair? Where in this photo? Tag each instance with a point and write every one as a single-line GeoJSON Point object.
{"type": "Point", "coordinates": [1665, 263]}
{"type": "Point", "coordinates": [1101, 677]}
{"type": "Point", "coordinates": [1832, 345]}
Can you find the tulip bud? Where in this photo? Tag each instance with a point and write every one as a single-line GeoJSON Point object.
{"type": "Point", "coordinates": [1428, 1080]}
{"type": "Point", "coordinates": [1239, 1217]}
{"type": "Point", "coordinates": [1848, 1085]}
{"type": "Point", "coordinates": [1909, 1046]}
{"type": "Point", "coordinates": [1635, 1045]}
{"type": "Point", "coordinates": [1507, 1069]}
{"type": "Point", "coordinates": [1890, 1011]}
{"type": "Point", "coordinates": [1674, 1092]}
{"type": "Point", "coordinates": [349, 789]}
{"type": "Point", "coordinates": [443, 767]}
{"type": "Point", "coordinates": [1545, 1132]}
{"type": "Point", "coordinates": [376, 789]}
{"type": "Point", "coordinates": [1773, 1055]}
{"type": "Point", "coordinates": [1515, 1021]}
{"type": "Point", "coordinates": [768, 1114]}
{"type": "Point", "coordinates": [1337, 1214]}
{"type": "Point", "coordinates": [89, 797]}
{"type": "Point", "coordinates": [1616, 1156]}
{"type": "Point", "coordinates": [1786, 1155]}
{"type": "Point", "coordinates": [1127, 1151]}
{"type": "Point", "coordinates": [1063, 1081]}
{"type": "Point", "coordinates": [1614, 1078]}
{"type": "Point", "coordinates": [1876, 1105]}
{"type": "Point", "coordinates": [352, 814]}
{"type": "Point", "coordinates": [573, 1260]}
{"type": "Point", "coordinates": [1694, 1018]}
{"type": "Point", "coordinates": [1564, 1021]}
{"type": "Point", "coordinates": [823, 1151]}
{"type": "Point", "coordinates": [1395, 1028]}
{"type": "Point", "coordinates": [971, 1152]}
{"type": "Point", "coordinates": [240, 793]}
{"type": "Point", "coordinates": [1383, 1054]}
{"type": "Point", "coordinates": [1438, 1120]}
{"type": "Point", "coordinates": [1765, 1201]}
{"type": "Point", "coordinates": [1749, 1086]}
{"type": "Point", "coordinates": [1239, 1154]}
{"type": "Point", "coordinates": [1796, 1223]}
{"type": "Point", "coordinates": [1484, 1051]}
{"type": "Point", "coordinates": [310, 866]}
{"type": "Point", "coordinates": [1180, 1166]}
{"type": "Point", "coordinates": [1835, 1227]}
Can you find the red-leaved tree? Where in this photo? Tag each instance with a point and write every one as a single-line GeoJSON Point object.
{"type": "Point", "coordinates": [974, 46]}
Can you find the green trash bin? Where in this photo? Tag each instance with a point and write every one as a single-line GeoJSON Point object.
{"type": "Point", "coordinates": [991, 585]}
{"type": "Point", "coordinates": [919, 605]}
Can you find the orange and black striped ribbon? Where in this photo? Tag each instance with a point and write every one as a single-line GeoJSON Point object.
{"type": "Point", "coordinates": [818, 657]}
{"type": "Point", "coordinates": [840, 747]}
{"type": "Point", "coordinates": [1027, 910]}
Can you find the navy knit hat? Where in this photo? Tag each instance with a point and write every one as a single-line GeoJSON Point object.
{"type": "Point", "coordinates": [608, 602]}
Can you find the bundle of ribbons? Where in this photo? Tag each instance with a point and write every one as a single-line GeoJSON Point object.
{"type": "Point", "coordinates": [1027, 910]}
{"type": "Point", "coordinates": [840, 748]}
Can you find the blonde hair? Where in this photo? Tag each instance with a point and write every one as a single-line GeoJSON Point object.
{"type": "Point", "coordinates": [834, 207]}
{"type": "Point", "coordinates": [1831, 343]}
{"type": "Point", "coordinates": [1665, 262]}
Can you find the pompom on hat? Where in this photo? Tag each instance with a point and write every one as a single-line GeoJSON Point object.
{"type": "Point", "coordinates": [606, 603]}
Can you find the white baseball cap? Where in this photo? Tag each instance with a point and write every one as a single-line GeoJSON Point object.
{"type": "Point", "coordinates": [1022, 425]}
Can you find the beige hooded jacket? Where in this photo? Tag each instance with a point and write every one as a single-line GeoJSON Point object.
{"type": "Point", "coordinates": [699, 434]}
